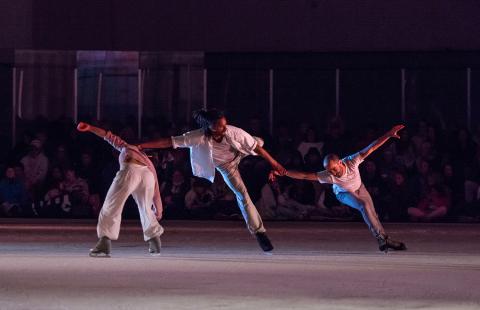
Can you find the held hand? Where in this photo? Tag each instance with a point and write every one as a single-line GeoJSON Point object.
{"type": "Point", "coordinates": [394, 131]}
{"type": "Point", "coordinates": [272, 176]}
{"type": "Point", "coordinates": [279, 169]}
{"type": "Point", "coordinates": [83, 127]}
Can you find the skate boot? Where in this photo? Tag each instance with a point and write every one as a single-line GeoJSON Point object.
{"type": "Point", "coordinates": [154, 245]}
{"type": "Point", "coordinates": [102, 248]}
{"type": "Point", "coordinates": [264, 242]}
{"type": "Point", "coordinates": [385, 243]}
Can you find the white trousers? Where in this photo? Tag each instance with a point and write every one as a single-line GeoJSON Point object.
{"type": "Point", "coordinates": [135, 180]}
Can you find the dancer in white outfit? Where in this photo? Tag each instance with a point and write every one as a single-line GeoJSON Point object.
{"type": "Point", "coordinates": [136, 177]}
{"type": "Point", "coordinates": [219, 146]}
{"type": "Point", "coordinates": [349, 189]}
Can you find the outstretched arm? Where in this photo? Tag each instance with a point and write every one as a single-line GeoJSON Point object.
{"type": "Point", "coordinates": [161, 143]}
{"type": "Point", "coordinates": [84, 127]}
{"type": "Point", "coordinates": [114, 140]}
{"type": "Point", "coordinates": [310, 176]}
{"type": "Point", "coordinates": [275, 165]}
{"type": "Point", "coordinates": [392, 133]}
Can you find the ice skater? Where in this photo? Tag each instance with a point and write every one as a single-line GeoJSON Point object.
{"type": "Point", "coordinates": [136, 177]}
{"type": "Point", "coordinates": [349, 189]}
{"type": "Point", "coordinates": [217, 145]}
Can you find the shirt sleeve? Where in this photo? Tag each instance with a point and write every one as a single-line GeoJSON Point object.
{"type": "Point", "coordinates": [247, 142]}
{"type": "Point", "coordinates": [115, 141]}
{"type": "Point", "coordinates": [355, 159]}
{"type": "Point", "coordinates": [324, 177]}
{"type": "Point", "coordinates": [188, 139]}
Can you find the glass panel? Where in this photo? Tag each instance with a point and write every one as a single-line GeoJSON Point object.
{"type": "Point", "coordinates": [438, 95]}
{"type": "Point", "coordinates": [304, 96]}
{"type": "Point", "coordinates": [370, 97]}
{"type": "Point", "coordinates": [241, 93]}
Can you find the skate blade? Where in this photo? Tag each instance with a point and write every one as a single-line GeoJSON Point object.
{"type": "Point", "coordinates": [99, 255]}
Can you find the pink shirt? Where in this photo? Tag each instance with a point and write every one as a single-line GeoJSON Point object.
{"type": "Point", "coordinates": [131, 151]}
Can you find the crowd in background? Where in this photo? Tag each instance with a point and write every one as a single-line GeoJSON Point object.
{"type": "Point", "coordinates": [430, 174]}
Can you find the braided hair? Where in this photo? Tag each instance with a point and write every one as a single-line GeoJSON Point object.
{"type": "Point", "coordinates": [205, 118]}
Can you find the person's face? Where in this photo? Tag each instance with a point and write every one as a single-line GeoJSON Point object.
{"type": "Point", "coordinates": [398, 179]}
{"type": "Point", "coordinates": [424, 167]}
{"type": "Point", "coordinates": [10, 173]}
{"type": "Point", "coordinates": [70, 175]}
{"type": "Point", "coordinates": [448, 171]}
{"type": "Point", "coordinates": [218, 127]}
{"type": "Point", "coordinates": [335, 168]}
{"type": "Point", "coordinates": [34, 151]}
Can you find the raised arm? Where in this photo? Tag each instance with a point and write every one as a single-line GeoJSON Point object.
{"type": "Point", "coordinates": [84, 127]}
{"type": "Point", "coordinates": [275, 165]}
{"type": "Point", "coordinates": [161, 143]}
{"type": "Point", "coordinates": [392, 133]}
{"type": "Point", "coordinates": [114, 140]}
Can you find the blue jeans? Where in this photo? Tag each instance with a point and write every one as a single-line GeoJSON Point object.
{"type": "Point", "coordinates": [361, 200]}
{"type": "Point", "coordinates": [233, 179]}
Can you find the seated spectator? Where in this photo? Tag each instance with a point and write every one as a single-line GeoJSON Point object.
{"type": "Point", "coordinates": [313, 160]}
{"type": "Point", "coordinates": [420, 178]}
{"type": "Point", "coordinates": [386, 164]}
{"type": "Point", "coordinates": [199, 200]}
{"type": "Point", "coordinates": [36, 167]}
{"type": "Point", "coordinates": [454, 185]}
{"type": "Point", "coordinates": [398, 198]}
{"type": "Point", "coordinates": [404, 150]}
{"type": "Point", "coordinates": [165, 165]}
{"type": "Point", "coordinates": [13, 195]}
{"type": "Point", "coordinates": [285, 200]}
{"type": "Point", "coordinates": [225, 201]}
{"type": "Point", "coordinates": [88, 171]}
{"type": "Point", "coordinates": [370, 178]}
{"type": "Point", "coordinates": [61, 158]}
{"type": "Point", "coordinates": [78, 193]}
{"type": "Point", "coordinates": [173, 195]}
{"type": "Point", "coordinates": [310, 141]}
{"type": "Point", "coordinates": [433, 206]}
{"type": "Point", "coordinates": [56, 202]}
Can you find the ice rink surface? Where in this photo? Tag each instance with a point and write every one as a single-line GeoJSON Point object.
{"type": "Point", "coordinates": [218, 265]}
